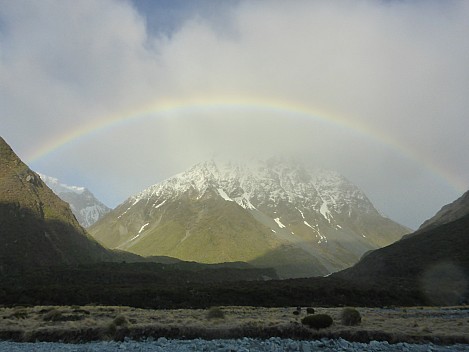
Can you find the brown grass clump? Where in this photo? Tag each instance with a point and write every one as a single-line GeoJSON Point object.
{"type": "Point", "coordinates": [59, 315]}
{"type": "Point", "coordinates": [20, 313]}
{"type": "Point", "coordinates": [53, 315]}
{"type": "Point", "coordinates": [350, 317]}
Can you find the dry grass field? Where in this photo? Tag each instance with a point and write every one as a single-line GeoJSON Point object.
{"type": "Point", "coordinates": [88, 323]}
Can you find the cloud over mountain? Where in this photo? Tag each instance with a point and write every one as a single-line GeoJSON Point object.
{"type": "Point", "coordinates": [386, 79]}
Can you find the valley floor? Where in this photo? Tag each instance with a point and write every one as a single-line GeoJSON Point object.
{"type": "Point", "coordinates": [444, 326]}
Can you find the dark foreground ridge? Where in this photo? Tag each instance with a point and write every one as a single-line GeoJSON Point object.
{"type": "Point", "coordinates": [435, 261]}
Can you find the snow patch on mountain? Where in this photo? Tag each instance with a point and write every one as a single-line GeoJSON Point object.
{"type": "Point", "coordinates": [245, 202]}
{"type": "Point", "coordinates": [223, 194]}
{"type": "Point", "coordinates": [143, 227]}
{"type": "Point", "coordinates": [279, 223]}
{"type": "Point", "coordinates": [125, 212]}
{"type": "Point", "coordinates": [156, 206]}
{"type": "Point", "coordinates": [302, 214]}
{"type": "Point", "coordinates": [324, 210]}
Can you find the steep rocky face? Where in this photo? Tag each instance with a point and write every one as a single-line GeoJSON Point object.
{"type": "Point", "coordinates": [84, 205]}
{"type": "Point", "coordinates": [36, 227]}
{"type": "Point", "coordinates": [449, 213]}
{"type": "Point", "coordinates": [270, 213]}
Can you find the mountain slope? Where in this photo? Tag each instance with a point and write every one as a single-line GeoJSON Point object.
{"type": "Point", "coordinates": [84, 205]}
{"type": "Point", "coordinates": [37, 228]}
{"type": "Point", "coordinates": [269, 213]}
{"type": "Point", "coordinates": [435, 259]}
{"type": "Point", "coordinates": [449, 213]}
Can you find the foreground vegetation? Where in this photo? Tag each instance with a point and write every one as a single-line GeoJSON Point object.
{"type": "Point", "coordinates": [160, 286]}
{"type": "Point", "coordinates": [90, 323]}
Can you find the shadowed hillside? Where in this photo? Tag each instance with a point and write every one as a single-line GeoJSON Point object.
{"type": "Point", "coordinates": [37, 227]}
{"type": "Point", "coordinates": [448, 213]}
{"type": "Point", "coordinates": [435, 260]}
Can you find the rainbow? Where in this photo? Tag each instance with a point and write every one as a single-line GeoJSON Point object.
{"type": "Point", "coordinates": [244, 104]}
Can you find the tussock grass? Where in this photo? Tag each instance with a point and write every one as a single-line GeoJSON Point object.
{"type": "Point", "coordinates": [215, 313]}
{"type": "Point", "coordinates": [87, 323]}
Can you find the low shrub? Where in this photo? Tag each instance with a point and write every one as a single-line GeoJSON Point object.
{"type": "Point", "coordinates": [350, 317]}
{"type": "Point", "coordinates": [120, 320]}
{"type": "Point", "coordinates": [310, 310]}
{"type": "Point", "coordinates": [296, 312]}
{"type": "Point", "coordinates": [215, 313]}
{"type": "Point", "coordinates": [318, 321]}
{"type": "Point", "coordinates": [111, 331]}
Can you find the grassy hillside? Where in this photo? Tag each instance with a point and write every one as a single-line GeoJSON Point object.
{"type": "Point", "coordinates": [207, 230]}
{"type": "Point", "coordinates": [37, 227]}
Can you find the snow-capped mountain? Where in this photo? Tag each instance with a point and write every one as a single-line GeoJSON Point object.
{"type": "Point", "coordinates": [86, 208]}
{"type": "Point", "coordinates": [269, 213]}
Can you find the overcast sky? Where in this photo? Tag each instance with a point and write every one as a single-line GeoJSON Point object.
{"type": "Point", "coordinates": [377, 90]}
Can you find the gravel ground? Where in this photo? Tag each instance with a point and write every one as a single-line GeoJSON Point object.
{"type": "Point", "coordinates": [240, 345]}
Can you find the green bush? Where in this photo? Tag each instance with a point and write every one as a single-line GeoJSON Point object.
{"type": "Point", "coordinates": [215, 313]}
{"type": "Point", "coordinates": [310, 310]}
{"type": "Point", "coordinates": [296, 312]}
{"type": "Point", "coordinates": [318, 321]}
{"type": "Point", "coordinates": [350, 317]}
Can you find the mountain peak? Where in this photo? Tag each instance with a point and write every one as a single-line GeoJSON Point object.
{"type": "Point", "coordinates": [55, 185]}
{"type": "Point", "coordinates": [86, 208]}
{"type": "Point", "coordinates": [222, 210]}
{"type": "Point", "coordinates": [266, 183]}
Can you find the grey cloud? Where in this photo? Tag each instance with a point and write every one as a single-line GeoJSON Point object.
{"type": "Point", "coordinates": [397, 71]}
